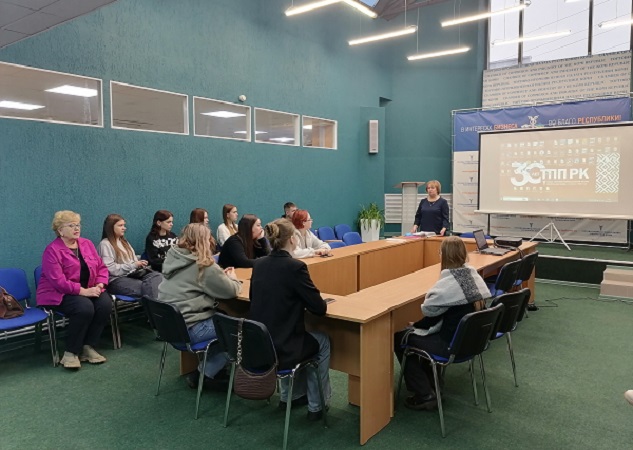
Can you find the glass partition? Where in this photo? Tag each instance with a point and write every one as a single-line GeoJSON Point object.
{"type": "Point", "coordinates": [274, 127]}
{"type": "Point", "coordinates": [218, 119]}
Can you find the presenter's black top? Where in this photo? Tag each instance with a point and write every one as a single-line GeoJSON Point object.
{"type": "Point", "coordinates": [432, 216]}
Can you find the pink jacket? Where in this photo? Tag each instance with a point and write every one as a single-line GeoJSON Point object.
{"type": "Point", "coordinates": [61, 269]}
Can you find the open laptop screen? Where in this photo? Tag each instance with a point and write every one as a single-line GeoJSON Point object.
{"type": "Point", "coordinates": [480, 239]}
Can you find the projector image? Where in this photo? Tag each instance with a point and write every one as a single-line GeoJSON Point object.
{"type": "Point", "coordinates": [507, 241]}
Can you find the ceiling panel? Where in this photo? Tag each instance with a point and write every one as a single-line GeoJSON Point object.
{"type": "Point", "coordinates": [8, 37]}
{"type": "Point", "coordinates": [31, 4]}
{"type": "Point", "coordinates": [10, 13]}
{"type": "Point", "coordinates": [74, 8]}
{"type": "Point", "coordinates": [33, 23]}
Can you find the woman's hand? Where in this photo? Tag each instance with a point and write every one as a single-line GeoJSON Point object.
{"type": "Point", "coordinates": [230, 272]}
{"type": "Point", "coordinates": [321, 251]}
{"type": "Point", "coordinates": [141, 263]}
{"type": "Point", "coordinates": [414, 228]}
{"type": "Point", "coordinates": [90, 292]}
{"type": "Point", "coordinates": [442, 231]}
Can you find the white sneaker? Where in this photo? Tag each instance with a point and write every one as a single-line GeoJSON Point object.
{"type": "Point", "coordinates": [90, 354]}
{"type": "Point", "coordinates": [70, 361]}
{"type": "Point", "coordinates": [628, 395]}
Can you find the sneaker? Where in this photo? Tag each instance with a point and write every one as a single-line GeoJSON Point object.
{"type": "Point", "coordinates": [70, 361]}
{"type": "Point", "coordinates": [628, 395]}
{"type": "Point", "coordinates": [314, 416]}
{"type": "Point", "coordinates": [299, 401]}
{"type": "Point", "coordinates": [428, 403]}
{"type": "Point", "coordinates": [532, 307]}
{"type": "Point", "coordinates": [90, 354]}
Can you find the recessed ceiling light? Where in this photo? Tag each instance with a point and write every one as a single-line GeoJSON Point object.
{"type": "Point", "coordinates": [282, 139]}
{"type": "Point", "coordinates": [74, 90]}
{"type": "Point", "coordinates": [244, 132]}
{"type": "Point", "coordinates": [223, 114]}
{"type": "Point", "coordinates": [307, 127]}
{"type": "Point", "coordinates": [19, 105]}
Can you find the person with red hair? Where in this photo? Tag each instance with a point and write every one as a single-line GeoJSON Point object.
{"type": "Point", "coordinates": [308, 244]}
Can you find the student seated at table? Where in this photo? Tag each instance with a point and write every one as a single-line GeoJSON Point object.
{"type": "Point", "coordinates": [229, 227]}
{"type": "Point", "coordinates": [289, 210]}
{"type": "Point", "coordinates": [308, 244]}
{"type": "Point", "coordinates": [459, 291]}
{"type": "Point", "coordinates": [241, 249]}
{"type": "Point", "coordinates": [199, 215]}
{"type": "Point", "coordinates": [160, 238]}
{"type": "Point", "coordinates": [281, 291]}
{"type": "Point", "coordinates": [194, 283]}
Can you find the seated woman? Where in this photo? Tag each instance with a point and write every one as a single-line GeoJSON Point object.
{"type": "Point", "coordinates": [128, 275]}
{"type": "Point", "coordinates": [229, 227]}
{"type": "Point", "coordinates": [308, 244]}
{"type": "Point", "coordinates": [160, 238]}
{"type": "Point", "coordinates": [193, 283]}
{"type": "Point", "coordinates": [72, 282]}
{"type": "Point", "coordinates": [200, 215]}
{"type": "Point", "coordinates": [281, 290]}
{"type": "Point", "coordinates": [459, 291]}
{"type": "Point", "coordinates": [241, 249]}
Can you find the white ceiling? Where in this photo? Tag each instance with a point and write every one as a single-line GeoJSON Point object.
{"type": "Point", "coordinates": [20, 19]}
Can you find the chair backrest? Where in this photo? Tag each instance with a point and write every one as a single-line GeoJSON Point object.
{"type": "Point", "coordinates": [326, 234]}
{"type": "Point", "coordinates": [527, 266]}
{"type": "Point", "coordinates": [37, 274]}
{"type": "Point", "coordinates": [216, 258]}
{"type": "Point", "coordinates": [336, 244]}
{"type": "Point", "coordinates": [474, 332]}
{"type": "Point", "coordinates": [526, 300]}
{"type": "Point", "coordinates": [352, 238]}
{"type": "Point", "coordinates": [167, 320]}
{"type": "Point", "coordinates": [341, 229]}
{"type": "Point", "coordinates": [514, 305]}
{"type": "Point", "coordinates": [316, 232]}
{"type": "Point", "coordinates": [508, 275]}
{"type": "Point", "coordinates": [14, 281]}
{"type": "Point", "coordinates": [258, 351]}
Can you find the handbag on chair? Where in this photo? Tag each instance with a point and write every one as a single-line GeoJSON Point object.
{"type": "Point", "coordinates": [10, 308]}
{"type": "Point", "coordinates": [252, 385]}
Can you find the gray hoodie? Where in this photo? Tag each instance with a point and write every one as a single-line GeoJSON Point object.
{"type": "Point", "coordinates": [195, 298]}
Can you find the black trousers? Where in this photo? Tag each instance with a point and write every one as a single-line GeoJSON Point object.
{"type": "Point", "coordinates": [418, 373]}
{"type": "Point", "coordinates": [87, 316]}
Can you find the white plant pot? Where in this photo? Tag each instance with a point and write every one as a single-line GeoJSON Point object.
{"type": "Point", "coordinates": [369, 231]}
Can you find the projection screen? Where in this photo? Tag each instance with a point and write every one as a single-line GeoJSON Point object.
{"type": "Point", "coordinates": [583, 171]}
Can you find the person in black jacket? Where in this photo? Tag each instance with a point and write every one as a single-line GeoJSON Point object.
{"type": "Point", "coordinates": [281, 291]}
{"type": "Point", "coordinates": [432, 213]}
{"type": "Point", "coordinates": [241, 249]}
{"type": "Point", "coordinates": [160, 239]}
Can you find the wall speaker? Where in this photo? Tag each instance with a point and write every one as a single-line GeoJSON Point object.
{"type": "Point", "coordinates": [373, 136]}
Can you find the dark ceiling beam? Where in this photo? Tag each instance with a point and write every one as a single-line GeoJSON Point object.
{"type": "Point", "coordinates": [396, 7]}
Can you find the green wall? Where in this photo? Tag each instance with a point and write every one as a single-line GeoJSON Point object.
{"type": "Point", "coordinates": [218, 49]}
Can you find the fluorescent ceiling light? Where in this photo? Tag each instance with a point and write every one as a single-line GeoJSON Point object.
{"type": "Point", "coordinates": [435, 54]}
{"type": "Point", "coordinates": [377, 37]}
{"type": "Point", "coordinates": [74, 90]}
{"type": "Point", "coordinates": [362, 8]}
{"type": "Point", "coordinates": [615, 23]}
{"type": "Point", "coordinates": [282, 139]}
{"type": "Point", "coordinates": [574, 1]}
{"type": "Point", "coordinates": [448, 23]}
{"type": "Point", "coordinates": [244, 132]}
{"type": "Point", "coordinates": [294, 10]}
{"type": "Point", "coordinates": [223, 114]}
{"type": "Point", "coordinates": [19, 105]}
{"type": "Point", "coordinates": [533, 38]}
{"type": "Point", "coordinates": [307, 127]}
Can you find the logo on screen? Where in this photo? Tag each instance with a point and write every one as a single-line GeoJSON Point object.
{"type": "Point", "coordinates": [529, 173]}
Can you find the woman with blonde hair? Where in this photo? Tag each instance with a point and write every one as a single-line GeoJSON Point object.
{"type": "Point", "coordinates": [72, 282]}
{"type": "Point", "coordinates": [432, 213]}
{"type": "Point", "coordinates": [128, 275]}
{"type": "Point", "coordinates": [194, 283]}
{"type": "Point", "coordinates": [459, 291]}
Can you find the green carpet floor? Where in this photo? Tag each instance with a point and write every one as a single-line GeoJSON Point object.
{"type": "Point", "coordinates": [574, 361]}
{"type": "Point", "coordinates": [586, 251]}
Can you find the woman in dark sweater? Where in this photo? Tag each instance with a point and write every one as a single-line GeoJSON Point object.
{"type": "Point", "coordinates": [432, 213]}
{"type": "Point", "coordinates": [241, 249]}
{"type": "Point", "coordinates": [160, 239]}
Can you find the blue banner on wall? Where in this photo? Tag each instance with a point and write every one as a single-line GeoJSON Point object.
{"type": "Point", "coordinates": [468, 125]}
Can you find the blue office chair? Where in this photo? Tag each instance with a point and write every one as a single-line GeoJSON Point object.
{"type": "Point", "coordinates": [326, 234]}
{"type": "Point", "coordinates": [527, 267]}
{"type": "Point", "coordinates": [352, 238]}
{"type": "Point", "coordinates": [336, 244]}
{"type": "Point", "coordinates": [170, 327]}
{"type": "Point", "coordinates": [506, 278]}
{"type": "Point", "coordinates": [258, 352]}
{"type": "Point", "coordinates": [471, 338]}
{"type": "Point", "coordinates": [14, 281]}
{"type": "Point", "coordinates": [341, 229]}
{"type": "Point", "coordinates": [216, 258]}
{"type": "Point", "coordinates": [316, 233]}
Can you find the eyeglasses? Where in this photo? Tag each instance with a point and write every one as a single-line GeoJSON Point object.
{"type": "Point", "coordinates": [308, 220]}
{"type": "Point", "coordinates": [76, 226]}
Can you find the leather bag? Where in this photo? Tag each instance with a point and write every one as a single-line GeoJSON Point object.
{"type": "Point", "coordinates": [10, 308]}
{"type": "Point", "coordinates": [252, 385]}
{"type": "Point", "coordinates": [139, 274]}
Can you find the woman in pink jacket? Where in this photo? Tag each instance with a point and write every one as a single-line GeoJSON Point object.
{"type": "Point", "coordinates": [73, 283]}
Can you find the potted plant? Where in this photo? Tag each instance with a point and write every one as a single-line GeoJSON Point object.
{"type": "Point", "coordinates": [370, 220]}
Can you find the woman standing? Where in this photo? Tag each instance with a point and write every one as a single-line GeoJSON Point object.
{"type": "Point", "coordinates": [281, 291]}
{"type": "Point", "coordinates": [72, 282]}
{"type": "Point", "coordinates": [128, 275]}
{"type": "Point", "coordinates": [308, 244]}
{"type": "Point", "coordinates": [160, 239]}
{"type": "Point", "coordinates": [432, 213]}
{"type": "Point", "coordinates": [459, 291]}
{"type": "Point", "coordinates": [229, 227]}
{"type": "Point", "coordinates": [241, 249]}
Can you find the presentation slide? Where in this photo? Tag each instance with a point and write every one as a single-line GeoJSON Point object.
{"type": "Point", "coordinates": [569, 171]}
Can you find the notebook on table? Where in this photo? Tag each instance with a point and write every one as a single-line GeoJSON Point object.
{"type": "Point", "coordinates": [482, 245]}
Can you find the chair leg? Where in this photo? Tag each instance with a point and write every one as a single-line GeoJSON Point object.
{"type": "Point", "coordinates": [228, 394]}
{"type": "Point", "coordinates": [114, 321]}
{"type": "Point", "coordinates": [162, 366]}
{"type": "Point", "coordinates": [404, 362]}
{"type": "Point", "coordinates": [38, 337]}
{"type": "Point", "coordinates": [288, 408]}
{"type": "Point", "coordinates": [201, 380]}
{"type": "Point", "coordinates": [439, 398]}
{"type": "Point", "coordinates": [471, 369]}
{"type": "Point", "coordinates": [52, 335]}
{"type": "Point", "coordinates": [511, 350]}
{"type": "Point", "coordinates": [315, 367]}
{"type": "Point", "coordinates": [483, 377]}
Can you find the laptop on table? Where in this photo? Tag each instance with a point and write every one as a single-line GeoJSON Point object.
{"type": "Point", "coordinates": [482, 245]}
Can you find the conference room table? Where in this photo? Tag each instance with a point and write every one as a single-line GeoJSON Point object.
{"type": "Point", "coordinates": [361, 323]}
